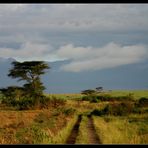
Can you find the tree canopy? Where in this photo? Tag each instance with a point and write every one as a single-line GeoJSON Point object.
{"type": "Point", "coordinates": [30, 72]}
{"type": "Point", "coordinates": [88, 92]}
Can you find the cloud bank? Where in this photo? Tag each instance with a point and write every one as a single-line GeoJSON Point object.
{"type": "Point", "coordinates": [109, 56]}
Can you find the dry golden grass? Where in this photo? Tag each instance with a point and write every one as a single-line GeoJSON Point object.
{"type": "Point", "coordinates": [13, 120]}
{"type": "Point", "coordinates": [33, 126]}
{"type": "Point", "coordinates": [15, 117]}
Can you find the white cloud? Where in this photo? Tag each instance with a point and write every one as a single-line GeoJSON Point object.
{"type": "Point", "coordinates": [28, 51]}
{"type": "Point", "coordinates": [111, 55]}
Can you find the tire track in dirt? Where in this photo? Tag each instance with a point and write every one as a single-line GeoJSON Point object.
{"type": "Point", "coordinates": [92, 135]}
{"type": "Point", "coordinates": [74, 133]}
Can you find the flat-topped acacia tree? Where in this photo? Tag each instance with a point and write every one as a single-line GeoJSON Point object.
{"type": "Point", "coordinates": [29, 71]}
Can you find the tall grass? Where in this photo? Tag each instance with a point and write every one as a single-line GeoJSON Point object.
{"type": "Point", "coordinates": [82, 137]}
{"type": "Point", "coordinates": [40, 135]}
{"type": "Point", "coordinates": [63, 134]}
{"type": "Point", "coordinates": [121, 130]}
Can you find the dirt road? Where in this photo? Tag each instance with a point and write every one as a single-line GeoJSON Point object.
{"type": "Point", "coordinates": [92, 135]}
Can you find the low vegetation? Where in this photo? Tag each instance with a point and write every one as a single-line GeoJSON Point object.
{"type": "Point", "coordinates": [122, 130]}
{"type": "Point", "coordinates": [82, 137]}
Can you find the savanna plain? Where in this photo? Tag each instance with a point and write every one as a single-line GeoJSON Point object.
{"type": "Point", "coordinates": [107, 117]}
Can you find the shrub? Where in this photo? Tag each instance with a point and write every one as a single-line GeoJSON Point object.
{"type": "Point", "coordinates": [116, 98]}
{"type": "Point", "coordinates": [137, 110]}
{"type": "Point", "coordinates": [44, 102]}
{"type": "Point", "coordinates": [104, 98]}
{"type": "Point", "coordinates": [143, 102]}
{"type": "Point", "coordinates": [119, 109]}
{"type": "Point", "coordinates": [85, 98]}
{"type": "Point", "coordinates": [68, 111]}
{"type": "Point", "coordinates": [94, 99]}
{"type": "Point", "coordinates": [91, 98]}
{"type": "Point", "coordinates": [96, 112]}
{"type": "Point", "coordinates": [24, 103]}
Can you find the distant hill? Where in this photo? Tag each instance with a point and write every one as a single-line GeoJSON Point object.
{"type": "Point", "coordinates": [133, 76]}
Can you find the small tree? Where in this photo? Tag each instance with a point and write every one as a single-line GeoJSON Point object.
{"type": "Point", "coordinates": [12, 93]}
{"type": "Point", "coordinates": [99, 89]}
{"type": "Point", "coordinates": [30, 72]}
{"type": "Point", "coordinates": [88, 92]}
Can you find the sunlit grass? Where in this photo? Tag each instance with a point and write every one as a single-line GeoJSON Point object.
{"type": "Point", "coordinates": [63, 134]}
{"type": "Point", "coordinates": [136, 93]}
{"type": "Point", "coordinates": [83, 132]}
{"type": "Point", "coordinates": [122, 130]}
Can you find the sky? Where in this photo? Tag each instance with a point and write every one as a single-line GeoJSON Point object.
{"type": "Point", "coordinates": [92, 36]}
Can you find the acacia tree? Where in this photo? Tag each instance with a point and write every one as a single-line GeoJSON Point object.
{"type": "Point", "coordinates": [99, 89]}
{"type": "Point", "coordinates": [29, 71]}
{"type": "Point", "coordinates": [88, 92]}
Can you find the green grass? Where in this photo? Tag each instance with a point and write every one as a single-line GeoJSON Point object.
{"type": "Point", "coordinates": [122, 130]}
{"type": "Point", "coordinates": [137, 93]}
{"type": "Point", "coordinates": [83, 132]}
{"type": "Point", "coordinates": [65, 96]}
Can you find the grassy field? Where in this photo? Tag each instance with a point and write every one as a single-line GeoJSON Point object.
{"type": "Point", "coordinates": [122, 130]}
{"type": "Point", "coordinates": [34, 127]}
{"type": "Point", "coordinates": [66, 96]}
{"type": "Point", "coordinates": [53, 125]}
{"type": "Point", "coordinates": [136, 93]}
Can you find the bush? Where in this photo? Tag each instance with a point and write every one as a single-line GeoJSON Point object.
{"type": "Point", "coordinates": [143, 102]}
{"type": "Point", "coordinates": [85, 98]}
{"type": "Point", "coordinates": [106, 97]}
{"type": "Point", "coordinates": [96, 112]}
{"type": "Point", "coordinates": [68, 111]}
{"type": "Point", "coordinates": [94, 99]}
{"type": "Point", "coordinates": [25, 103]}
{"type": "Point", "coordinates": [91, 98]}
{"type": "Point", "coordinates": [116, 98]}
{"type": "Point", "coordinates": [123, 108]}
{"type": "Point", "coordinates": [2, 97]}
{"type": "Point", "coordinates": [120, 109]}
{"type": "Point", "coordinates": [137, 110]}
{"type": "Point", "coordinates": [44, 102]}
